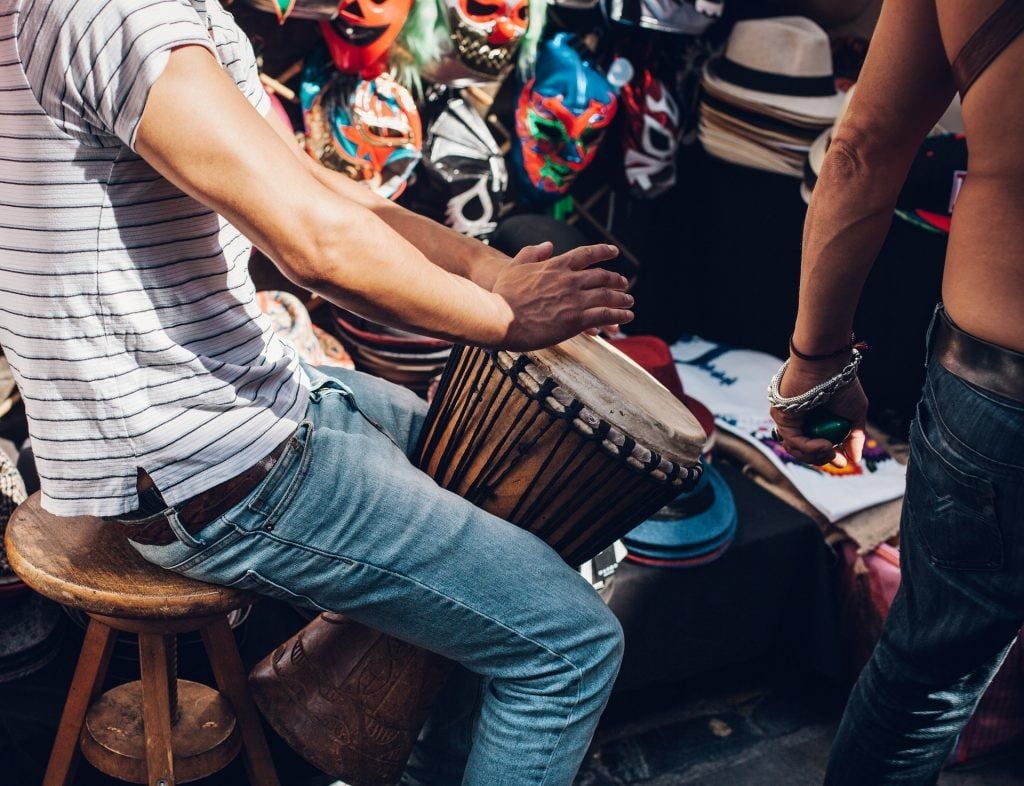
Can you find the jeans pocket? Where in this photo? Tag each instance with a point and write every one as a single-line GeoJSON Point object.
{"type": "Point", "coordinates": [953, 508]}
{"type": "Point", "coordinates": [280, 484]}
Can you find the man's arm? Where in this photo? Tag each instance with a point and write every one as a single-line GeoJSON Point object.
{"type": "Point", "coordinates": [904, 87]}
{"type": "Point", "coordinates": [200, 132]}
{"type": "Point", "coordinates": [444, 247]}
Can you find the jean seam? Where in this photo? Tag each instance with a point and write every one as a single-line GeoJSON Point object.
{"type": "Point", "coordinates": [432, 590]}
{"type": "Point", "coordinates": [263, 580]}
{"type": "Point", "coordinates": [253, 506]}
{"type": "Point", "coordinates": [211, 550]}
{"type": "Point", "coordinates": [568, 720]}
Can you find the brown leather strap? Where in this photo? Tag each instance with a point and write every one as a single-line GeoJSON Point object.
{"type": "Point", "coordinates": [983, 364]}
{"type": "Point", "coordinates": [995, 34]}
{"type": "Point", "coordinates": [200, 510]}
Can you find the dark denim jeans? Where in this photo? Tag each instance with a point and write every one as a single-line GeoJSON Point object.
{"type": "Point", "coordinates": [961, 601]}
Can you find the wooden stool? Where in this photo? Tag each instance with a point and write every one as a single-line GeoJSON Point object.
{"type": "Point", "coordinates": [159, 730]}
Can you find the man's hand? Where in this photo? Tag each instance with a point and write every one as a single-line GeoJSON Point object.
{"type": "Point", "coordinates": [849, 403]}
{"type": "Point", "coordinates": [552, 299]}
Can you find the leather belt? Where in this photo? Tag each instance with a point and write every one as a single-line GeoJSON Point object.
{"type": "Point", "coordinates": [981, 363]}
{"type": "Point", "coordinates": [203, 508]}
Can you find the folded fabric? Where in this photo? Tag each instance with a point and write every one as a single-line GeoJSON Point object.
{"type": "Point", "coordinates": [867, 528]}
{"type": "Point", "coordinates": [732, 383]}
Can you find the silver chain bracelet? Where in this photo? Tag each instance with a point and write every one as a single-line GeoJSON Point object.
{"type": "Point", "coordinates": [817, 395]}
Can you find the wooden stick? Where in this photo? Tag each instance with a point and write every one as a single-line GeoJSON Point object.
{"type": "Point", "coordinates": [276, 87]}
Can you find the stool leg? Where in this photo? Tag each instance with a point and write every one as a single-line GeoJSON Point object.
{"type": "Point", "coordinates": [155, 656]}
{"type": "Point", "coordinates": [85, 686]}
{"type": "Point", "coordinates": [230, 675]}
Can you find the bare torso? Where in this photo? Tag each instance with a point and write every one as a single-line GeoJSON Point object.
{"type": "Point", "coordinates": [983, 286]}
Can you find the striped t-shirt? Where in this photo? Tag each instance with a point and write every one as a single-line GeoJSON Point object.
{"type": "Point", "coordinates": [126, 308]}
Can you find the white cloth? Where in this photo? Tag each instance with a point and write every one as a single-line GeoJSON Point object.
{"type": "Point", "coordinates": [733, 384]}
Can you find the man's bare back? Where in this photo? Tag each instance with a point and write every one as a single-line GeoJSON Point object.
{"type": "Point", "coordinates": [983, 287]}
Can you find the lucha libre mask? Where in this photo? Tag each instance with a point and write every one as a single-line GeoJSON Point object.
{"type": "Point", "coordinates": [688, 17]}
{"type": "Point", "coordinates": [651, 136]}
{"type": "Point", "coordinates": [473, 41]}
{"type": "Point", "coordinates": [462, 155]}
{"type": "Point", "coordinates": [360, 36]}
{"type": "Point", "coordinates": [561, 118]}
{"type": "Point", "coordinates": [367, 128]}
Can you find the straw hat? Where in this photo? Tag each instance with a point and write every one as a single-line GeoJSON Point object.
{"type": "Point", "coordinates": [782, 64]}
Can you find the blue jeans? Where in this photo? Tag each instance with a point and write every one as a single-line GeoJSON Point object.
{"type": "Point", "coordinates": [344, 522]}
{"type": "Point", "coordinates": [961, 600]}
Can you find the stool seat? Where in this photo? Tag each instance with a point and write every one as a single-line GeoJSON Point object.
{"type": "Point", "coordinates": [87, 563]}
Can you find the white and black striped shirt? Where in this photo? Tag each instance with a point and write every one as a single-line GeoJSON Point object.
{"type": "Point", "coordinates": [126, 308]}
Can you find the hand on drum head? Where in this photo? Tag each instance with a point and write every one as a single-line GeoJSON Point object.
{"type": "Point", "coordinates": [549, 299]}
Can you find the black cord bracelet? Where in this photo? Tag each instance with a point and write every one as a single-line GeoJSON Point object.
{"type": "Point", "coordinates": [844, 350]}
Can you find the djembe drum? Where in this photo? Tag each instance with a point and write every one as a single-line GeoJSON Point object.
{"type": "Point", "coordinates": [575, 443]}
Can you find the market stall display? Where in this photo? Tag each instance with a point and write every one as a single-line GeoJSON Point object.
{"type": "Point", "coordinates": [769, 95]}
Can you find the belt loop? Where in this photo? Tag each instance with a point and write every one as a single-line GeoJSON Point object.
{"type": "Point", "coordinates": [179, 531]}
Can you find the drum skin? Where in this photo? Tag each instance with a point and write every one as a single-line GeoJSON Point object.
{"type": "Point", "coordinates": [510, 439]}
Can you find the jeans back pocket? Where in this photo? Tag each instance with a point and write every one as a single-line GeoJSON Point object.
{"type": "Point", "coordinates": [953, 509]}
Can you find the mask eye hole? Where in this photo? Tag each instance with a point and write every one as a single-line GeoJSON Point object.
{"type": "Point", "coordinates": [550, 131]}
{"type": "Point", "coordinates": [379, 2]}
{"type": "Point", "coordinates": [523, 13]}
{"type": "Point", "coordinates": [476, 8]}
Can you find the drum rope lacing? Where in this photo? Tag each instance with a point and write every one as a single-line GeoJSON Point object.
{"type": "Point", "coordinates": [526, 376]}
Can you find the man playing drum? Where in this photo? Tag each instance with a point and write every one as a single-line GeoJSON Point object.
{"type": "Point", "coordinates": [139, 160]}
{"type": "Point", "coordinates": [961, 601]}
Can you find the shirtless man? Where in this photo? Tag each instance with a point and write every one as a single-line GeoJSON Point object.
{"type": "Point", "coordinates": [962, 535]}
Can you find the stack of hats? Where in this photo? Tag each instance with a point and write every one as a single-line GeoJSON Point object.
{"type": "Point", "coordinates": [770, 94]}
{"type": "Point", "coordinates": [699, 525]}
{"type": "Point", "coordinates": [395, 355]}
{"type": "Point", "coordinates": [695, 529]}
{"type": "Point", "coordinates": [933, 184]}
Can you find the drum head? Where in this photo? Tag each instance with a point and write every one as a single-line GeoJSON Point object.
{"type": "Point", "coordinates": [622, 393]}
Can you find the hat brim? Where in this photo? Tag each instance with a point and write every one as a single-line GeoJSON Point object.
{"type": "Point", "coordinates": [743, 153]}
{"type": "Point", "coordinates": [823, 109]}
{"type": "Point", "coordinates": [692, 562]}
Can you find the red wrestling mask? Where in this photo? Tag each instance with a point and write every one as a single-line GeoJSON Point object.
{"type": "Point", "coordinates": [360, 36]}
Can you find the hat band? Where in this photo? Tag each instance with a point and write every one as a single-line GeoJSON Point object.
{"type": "Point", "coordinates": [766, 82]}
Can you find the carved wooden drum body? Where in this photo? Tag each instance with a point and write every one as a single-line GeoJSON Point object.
{"type": "Point", "coordinates": [575, 443]}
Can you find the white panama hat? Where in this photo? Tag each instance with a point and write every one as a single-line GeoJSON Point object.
{"type": "Point", "coordinates": [783, 63]}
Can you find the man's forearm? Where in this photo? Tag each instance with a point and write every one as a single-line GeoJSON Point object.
{"type": "Point", "coordinates": [445, 247]}
{"type": "Point", "coordinates": [344, 233]}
